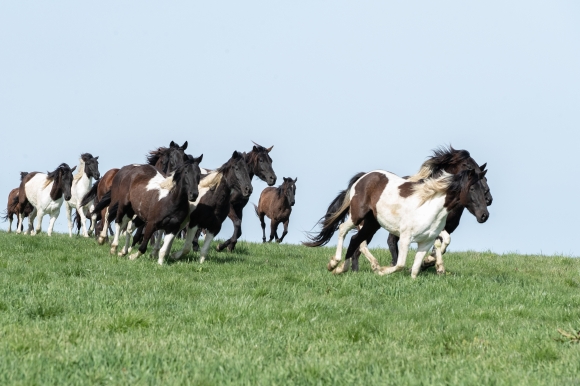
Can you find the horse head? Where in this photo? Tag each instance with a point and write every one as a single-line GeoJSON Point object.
{"type": "Point", "coordinates": [472, 194]}
{"type": "Point", "coordinates": [289, 189]}
{"type": "Point", "coordinates": [62, 179]}
{"type": "Point", "coordinates": [237, 174]}
{"type": "Point", "coordinates": [188, 174]}
{"type": "Point", "coordinates": [91, 166]}
{"type": "Point", "coordinates": [261, 164]}
{"type": "Point", "coordinates": [167, 159]}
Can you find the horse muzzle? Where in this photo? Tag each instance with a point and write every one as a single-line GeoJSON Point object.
{"type": "Point", "coordinates": [67, 197]}
{"type": "Point", "coordinates": [483, 217]}
{"type": "Point", "coordinates": [271, 180]}
{"type": "Point", "coordinates": [247, 191]}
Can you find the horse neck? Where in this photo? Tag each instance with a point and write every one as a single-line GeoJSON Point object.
{"type": "Point", "coordinates": [80, 177]}
{"type": "Point", "coordinates": [453, 219]}
{"type": "Point", "coordinates": [250, 166]}
{"type": "Point", "coordinates": [453, 201]}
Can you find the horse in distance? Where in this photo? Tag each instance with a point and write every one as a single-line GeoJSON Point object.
{"type": "Point", "coordinates": [276, 204]}
{"type": "Point", "coordinates": [13, 208]}
{"type": "Point", "coordinates": [82, 184]}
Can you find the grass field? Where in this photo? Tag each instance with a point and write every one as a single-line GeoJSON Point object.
{"type": "Point", "coordinates": [271, 314]}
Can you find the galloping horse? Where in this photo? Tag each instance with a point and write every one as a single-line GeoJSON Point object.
{"type": "Point", "coordinates": [260, 165]}
{"type": "Point", "coordinates": [451, 161]}
{"type": "Point", "coordinates": [414, 211]}
{"type": "Point", "coordinates": [95, 195]}
{"type": "Point", "coordinates": [277, 203]}
{"type": "Point", "coordinates": [13, 207]}
{"type": "Point", "coordinates": [82, 180]}
{"type": "Point", "coordinates": [213, 203]}
{"type": "Point", "coordinates": [45, 192]}
{"type": "Point", "coordinates": [160, 202]}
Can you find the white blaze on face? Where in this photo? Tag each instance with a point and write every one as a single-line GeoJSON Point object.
{"type": "Point", "coordinates": [155, 184]}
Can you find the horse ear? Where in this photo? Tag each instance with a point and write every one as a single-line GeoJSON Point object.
{"type": "Point", "coordinates": [295, 179]}
{"type": "Point", "coordinates": [198, 159]}
{"type": "Point", "coordinates": [97, 157]}
{"type": "Point", "coordinates": [270, 148]}
{"type": "Point", "coordinates": [483, 174]}
{"type": "Point", "coordinates": [172, 144]}
{"type": "Point", "coordinates": [482, 167]}
{"type": "Point", "coordinates": [236, 155]}
{"type": "Point", "coordinates": [255, 148]}
{"type": "Point", "coordinates": [73, 169]}
{"type": "Point", "coordinates": [184, 146]}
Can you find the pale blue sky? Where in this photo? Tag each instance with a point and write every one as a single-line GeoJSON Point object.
{"type": "Point", "coordinates": [338, 87]}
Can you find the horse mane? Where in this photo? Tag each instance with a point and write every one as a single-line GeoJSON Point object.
{"type": "Point", "coordinates": [79, 174]}
{"type": "Point", "coordinates": [52, 175]}
{"type": "Point", "coordinates": [442, 158]}
{"type": "Point", "coordinates": [433, 186]}
{"type": "Point", "coordinates": [252, 156]}
{"type": "Point", "coordinates": [22, 175]}
{"type": "Point", "coordinates": [211, 181]}
{"type": "Point", "coordinates": [154, 155]}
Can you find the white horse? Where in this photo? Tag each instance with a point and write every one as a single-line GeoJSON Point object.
{"type": "Point", "coordinates": [414, 211]}
{"type": "Point", "coordinates": [45, 192]}
{"type": "Point", "coordinates": [82, 183]}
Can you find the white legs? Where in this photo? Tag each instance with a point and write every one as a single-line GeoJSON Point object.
{"type": "Point", "coordinates": [167, 242]}
{"type": "Point", "coordinates": [68, 210]}
{"type": "Point", "coordinates": [118, 229]}
{"type": "Point", "coordinates": [343, 229]}
{"type": "Point", "coordinates": [206, 244]}
{"type": "Point", "coordinates": [187, 244]}
{"type": "Point", "coordinates": [128, 234]}
{"type": "Point", "coordinates": [105, 222]}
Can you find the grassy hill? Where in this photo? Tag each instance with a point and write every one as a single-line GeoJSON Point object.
{"type": "Point", "coordinates": [271, 314]}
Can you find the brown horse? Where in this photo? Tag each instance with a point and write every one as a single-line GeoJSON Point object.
{"type": "Point", "coordinates": [277, 203]}
{"type": "Point", "coordinates": [13, 207]}
{"type": "Point", "coordinates": [159, 202]}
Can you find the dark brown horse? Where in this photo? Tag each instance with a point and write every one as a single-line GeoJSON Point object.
{"type": "Point", "coordinates": [448, 160]}
{"type": "Point", "coordinates": [213, 204]}
{"type": "Point", "coordinates": [168, 159]}
{"type": "Point", "coordinates": [160, 202]}
{"type": "Point", "coordinates": [277, 203]}
{"type": "Point", "coordinates": [13, 207]}
{"type": "Point", "coordinates": [259, 165]}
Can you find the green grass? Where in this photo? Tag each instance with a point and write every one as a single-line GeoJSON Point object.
{"type": "Point", "coordinates": [271, 314]}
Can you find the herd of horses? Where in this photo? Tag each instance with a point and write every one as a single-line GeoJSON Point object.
{"type": "Point", "coordinates": [172, 196]}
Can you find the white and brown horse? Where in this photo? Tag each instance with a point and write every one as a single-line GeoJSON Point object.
{"type": "Point", "coordinates": [213, 203]}
{"type": "Point", "coordinates": [46, 193]}
{"type": "Point", "coordinates": [277, 203]}
{"type": "Point", "coordinates": [414, 211]}
{"type": "Point", "coordinates": [82, 183]}
{"type": "Point", "coordinates": [160, 202]}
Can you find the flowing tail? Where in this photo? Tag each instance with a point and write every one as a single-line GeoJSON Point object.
{"type": "Point", "coordinates": [91, 195]}
{"type": "Point", "coordinates": [335, 215]}
{"type": "Point", "coordinates": [105, 201]}
{"type": "Point", "coordinates": [256, 209]}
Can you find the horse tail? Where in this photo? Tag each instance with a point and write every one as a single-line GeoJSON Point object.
{"type": "Point", "coordinates": [113, 212]}
{"type": "Point", "coordinates": [77, 221]}
{"type": "Point", "coordinates": [105, 201]}
{"type": "Point", "coordinates": [335, 215]}
{"type": "Point", "coordinates": [256, 209]}
{"type": "Point", "coordinates": [4, 215]}
{"type": "Point", "coordinates": [91, 195]}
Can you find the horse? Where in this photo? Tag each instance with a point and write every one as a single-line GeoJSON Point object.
{"type": "Point", "coordinates": [82, 180]}
{"type": "Point", "coordinates": [414, 211]}
{"type": "Point", "coordinates": [167, 159]}
{"type": "Point", "coordinates": [160, 202]}
{"type": "Point", "coordinates": [13, 207]}
{"type": "Point", "coordinates": [276, 203]}
{"type": "Point", "coordinates": [45, 192]}
{"type": "Point", "coordinates": [260, 165]}
{"type": "Point", "coordinates": [445, 159]}
{"type": "Point", "coordinates": [213, 203]}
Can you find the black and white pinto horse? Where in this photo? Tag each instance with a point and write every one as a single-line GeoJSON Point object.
{"type": "Point", "coordinates": [259, 165]}
{"type": "Point", "coordinates": [451, 161]}
{"type": "Point", "coordinates": [82, 183]}
{"type": "Point", "coordinates": [161, 203]}
{"type": "Point", "coordinates": [414, 211]}
{"type": "Point", "coordinates": [46, 193]}
{"type": "Point", "coordinates": [213, 203]}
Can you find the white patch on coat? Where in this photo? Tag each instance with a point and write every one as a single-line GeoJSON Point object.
{"type": "Point", "coordinates": [158, 183]}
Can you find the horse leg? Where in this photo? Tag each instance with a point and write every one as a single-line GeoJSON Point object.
{"type": "Point", "coordinates": [237, 220]}
{"type": "Point", "coordinates": [167, 242]}
{"type": "Point", "coordinates": [53, 218]}
{"type": "Point", "coordinates": [68, 210]}
{"type": "Point", "coordinates": [232, 216]}
{"type": "Point", "coordinates": [91, 208]}
{"type": "Point", "coordinates": [422, 249]}
{"type": "Point", "coordinates": [10, 217]}
{"type": "Point", "coordinates": [195, 240]}
{"type": "Point", "coordinates": [38, 227]}
{"type": "Point", "coordinates": [263, 225]}
{"type": "Point", "coordinates": [343, 229]}
{"type": "Point", "coordinates": [273, 226]}
{"type": "Point", "coordinates": [105, 221]}
{"type": "Point", "coordinates": [187, 245]}
{"type": "Point", "coordinates": [83, 217]}
{"type": "Point", "coordinates": [392, 242]}
{"type": "Point", "coordinates": [31, 218]}
{"type": "Point", "coordinates": [128, 234]}
{"type": "Point", "coordinates": [404, 242]}
{"type": "Point", "coordinates": [159, 235]}
{"type": "Point", "coordinates": [120, 224]}
{"type": "Point", "coordinates": [368, 229]}
{"type": "Point", "coordinates": [206, 244]}
{"type": "Point", "coordinates": [285, 230]}
{"type": "Point", "coordinates": [149, 229]}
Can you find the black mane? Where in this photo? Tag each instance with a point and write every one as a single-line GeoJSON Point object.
{"type": "Point", "coordinates": [444, 157]}
{"type": "Point", "coordinates": [52, 175]}
{"type": "Point", "coordinates": [154, 155]}
{"type": "Point", "coordinates": [86, 157]}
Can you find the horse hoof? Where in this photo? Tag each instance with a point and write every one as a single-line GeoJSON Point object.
{"type": "Point", "coordinates": [121, 254]}
{"type": "Point", "coordinates": [332, 264]}
{"type": "Point", "coordinates": [134, 256]}
{"type": "Point", "coordinates": [101, 240]}
{"type": "Point", "coordinates": [201, 260]}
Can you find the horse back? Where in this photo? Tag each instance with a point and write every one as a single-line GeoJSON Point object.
{"type": "Point", "coordinates": [106, 182]}
{"type": "Point", "coordinates": [268, 200]}
{"type": "Point", "coordinates": [31, 183]}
